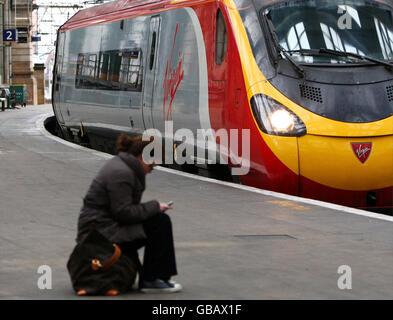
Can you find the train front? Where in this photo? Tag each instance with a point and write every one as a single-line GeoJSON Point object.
{"type": "Point", "coordinates": [321, 98]}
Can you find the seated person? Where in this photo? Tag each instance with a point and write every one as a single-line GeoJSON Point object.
{"type": "Point", "coordinates": [113, 206]}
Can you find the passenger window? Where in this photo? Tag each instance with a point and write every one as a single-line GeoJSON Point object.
{"type": "Point", "coordinates": [114, 69]}
{"type": "Point", "coordinates": [131, 70]}
{"type": "Point", "coordinates": [89, 65]}
{"type": "Point", "coordinates": [104, 66]}
{"type": "Point", "coordinates": [221, 38]}
{"type": "Point", "coordinates": [110, 70]}
{"type": "Point", "coordinates": [59, 59]}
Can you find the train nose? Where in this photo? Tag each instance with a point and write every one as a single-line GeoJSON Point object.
{"type": "Point", "coordinates": [351, 171]}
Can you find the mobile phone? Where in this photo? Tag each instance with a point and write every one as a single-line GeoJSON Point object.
{"type": "Point", "coordinates": [170, 203]}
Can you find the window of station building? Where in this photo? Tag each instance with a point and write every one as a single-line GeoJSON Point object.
{"type": "Point", "coordinates": [221, 38]}
{"type": "Point", "coordinates": [110, 70]}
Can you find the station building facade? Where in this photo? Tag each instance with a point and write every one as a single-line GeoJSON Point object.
{"type": "Point", "coordinates": [17, 48]}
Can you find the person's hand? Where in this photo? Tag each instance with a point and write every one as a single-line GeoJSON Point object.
{"type": "Point", "coordinates": [164, 207]}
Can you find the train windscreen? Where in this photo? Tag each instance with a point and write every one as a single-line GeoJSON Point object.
{"type": "Point", "coordinates": [360, 28]}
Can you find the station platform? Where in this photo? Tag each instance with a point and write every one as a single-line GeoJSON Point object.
{"type": "Point", "coordinates": [232, 242]}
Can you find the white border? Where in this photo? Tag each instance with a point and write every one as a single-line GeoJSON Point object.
{"type": "Point", "coordinates": [40, 125]}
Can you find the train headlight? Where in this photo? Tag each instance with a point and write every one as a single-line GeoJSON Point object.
{"type": "Point", "coordinates": [282, 121]}
{"type": "Point", "coordinates": [274, 118]}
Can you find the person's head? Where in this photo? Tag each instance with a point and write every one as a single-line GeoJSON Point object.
{"type": "Point", "coordinates": [134, 146]}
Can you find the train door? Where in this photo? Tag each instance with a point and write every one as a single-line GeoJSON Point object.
{"type": "Point", "coordinates": [151, 72]}
{"type": "Point", "coordinates": [56, 96]}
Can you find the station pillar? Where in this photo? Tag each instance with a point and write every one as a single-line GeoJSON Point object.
{"type": "Point", "coordinates": [39, 75]}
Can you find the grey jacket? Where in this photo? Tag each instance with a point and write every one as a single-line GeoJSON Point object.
{"type": "Point", "coordinates": [112, 204]}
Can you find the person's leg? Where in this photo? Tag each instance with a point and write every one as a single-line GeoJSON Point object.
{"type": "Point", "coordinates": [130, 249]}
{"type": "Point", "coordinates": [159, 263]}
{"type": "Point", "coordinates": [159, 259]}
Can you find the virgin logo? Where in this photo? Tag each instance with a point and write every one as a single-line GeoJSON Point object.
{"type": "Point", "coordinates": [362, 150]}
{"type": "Point", "coordinates": [172, 80]}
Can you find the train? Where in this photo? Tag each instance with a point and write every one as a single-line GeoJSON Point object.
{"type": "Point", "coordinates": [310, 82]}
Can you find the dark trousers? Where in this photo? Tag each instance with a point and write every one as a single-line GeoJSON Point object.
{"type": "Point", "coordinates": [159, 258]}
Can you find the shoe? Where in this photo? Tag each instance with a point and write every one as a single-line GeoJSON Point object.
{"type": "Point", "coordinates": [160, 286]}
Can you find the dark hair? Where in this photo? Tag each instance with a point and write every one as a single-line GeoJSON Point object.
{"type": "Point", "coordinates": [131, 145]}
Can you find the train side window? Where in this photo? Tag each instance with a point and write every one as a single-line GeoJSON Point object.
{"type": "Point", "coordinates": [89, 65]}
{"type": "Point", "coordinates": [131, 70]}
{"type": "Point", "coordinates": [110, 70]}
{"type": "Point", "coordinates": [79, 71]}
{"type": "Point", "coordinates": [89, 70]}
{"type": "Point", "coordinates": [85, 71]}
{"type": "Point", "coordinates": [79, 64]}
{"type": "Point", "coordinates": [104, 66]}
{"type": "Point", "coordinates": [59, 67]}
{"type": "Point", "coordinates": [124, 69]}
{"type": "Point", "coordinates": [114, 70]}
{"type": "Point", "coordinates": [153, 49]}
{"type": "Point", "coordinates": [135, 72]}
{"type": "Point", "coordinates": [221, 38]}
{"type": "Point", "coordinates": [60, 49]}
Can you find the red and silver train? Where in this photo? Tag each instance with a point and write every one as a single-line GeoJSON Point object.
{"type": "Point", "coordinates": [312, 81]}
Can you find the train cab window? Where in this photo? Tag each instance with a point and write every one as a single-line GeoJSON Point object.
{"type": "Point", "coordinates": [302, 28]}
{"type": "Point", "coordinates": [221, 38]}
{"type": "Point", "coordinates": [153, 50]}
